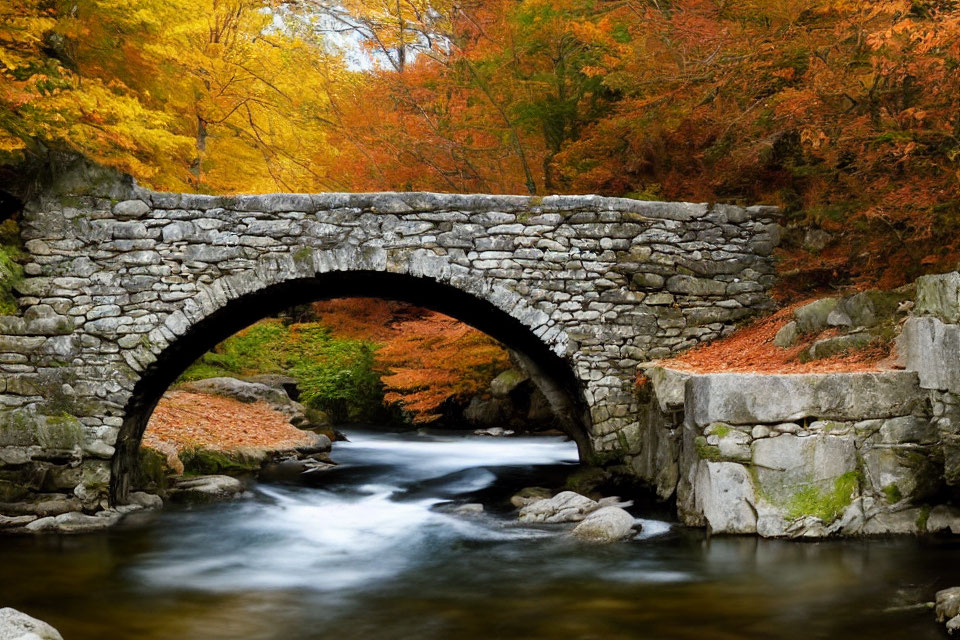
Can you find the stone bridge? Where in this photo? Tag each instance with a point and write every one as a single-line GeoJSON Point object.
{"type": "Point", "coordinates": [125, 287]}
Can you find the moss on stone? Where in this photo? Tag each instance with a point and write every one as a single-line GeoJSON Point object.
{"type": "Point", "coordinates": [11, 272]}
{"type": "Point", "coordinates": [152, 470]}
{"type": "Point", "coordinates": [923, 518]}
{"type": "Point", "coordinates": [59, 432]}
{"type": "Point", "coordinates": [707, 451]}
{"type": "Point", "coordinates": [587, 479]}
{"type": "Point", "coordinates": [825, 505]}
{"type": "Point", "coordinates": [719, 429]}
{"type": "Point", "coordinates": [200, 461]}
{"type": "Point", "coordinates": [892, 492]}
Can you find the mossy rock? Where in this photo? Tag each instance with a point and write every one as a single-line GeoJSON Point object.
{"type": "Point", "coordinates": [59, 432]}
{"type": "Point", "coordinates": [825, 504]}
{"type": "Point", "coordinates": [199, 461]}
{"type": "Point", "coordinates": [152, 472]}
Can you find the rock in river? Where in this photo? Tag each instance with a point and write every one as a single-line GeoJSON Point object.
{"type": "Point", "coordinates": [206, 489]}
{"type": "Point", "coordinates": [16, 625]}
{"type": "Point", "coordinates": [607, 524]}
{"type": "Point", "coordinates": [566, 506]}
{"type": "Point", "coordinates": [529, 495]}
{"type": "Point", "coordinates": [948, 608]}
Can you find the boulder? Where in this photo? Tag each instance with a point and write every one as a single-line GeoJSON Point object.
{"type": "Point", "coordinates": [287, 384]}
{"type": "Point", "coordinates": [471, 509]}
{"type": "Point", "coordinates": [292, 469]}
{"type": "Point", "coordinates": [319, 443]}
{"type": "Point", "coordinates": [203, 489]}
{"type": "Point", "coordinates": [530, 495]}
{"type": "Point", "coordinates": [787, 335]}
{"type": "Point", "coordinates": [145, 500]}
{"type": "Point", "coordinates": [944, 519]}
{"type": "Point", "coordinates": [812, 317]}
{"type": "Point", "coordinates": [496, 432]}
{"type": "Point", "coordinates": [948, 604]}
{"type": "Point", "coordinates": [482, 412]}
{"type": "Point", "coordinates": [566, 506]}
{"type": "Point", "coordinates": [506, 382]}
{"type": "Point", "coordinates": [16, 625]}
{"type": "Point", "coordinates": [839, 344]}
{"type": "Point", "coordinates": [606, 524]}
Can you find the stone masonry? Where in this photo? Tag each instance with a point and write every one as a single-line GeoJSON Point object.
{"type": "Point", "coordinates": [120, 278]}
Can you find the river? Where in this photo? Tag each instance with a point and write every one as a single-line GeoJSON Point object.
{"type": "Point", "coordinates": [367, 551]}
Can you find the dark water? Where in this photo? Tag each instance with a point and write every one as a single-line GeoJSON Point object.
{"type": "Point", "coordinates": [367, 554]}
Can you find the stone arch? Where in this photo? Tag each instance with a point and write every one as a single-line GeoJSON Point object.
{"type": "Point", "coordinates": [226, 305]}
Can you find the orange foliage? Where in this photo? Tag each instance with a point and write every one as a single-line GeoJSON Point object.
{"type": "Point", "coordinates": [751, 350]}
{"type": "Point", "coordinates": [427, 358]}
{"type": "Point", "coordinates": [184, 420]}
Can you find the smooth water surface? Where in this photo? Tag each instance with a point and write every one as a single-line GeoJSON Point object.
{"type": "Point", "coordinates": [371, 550]}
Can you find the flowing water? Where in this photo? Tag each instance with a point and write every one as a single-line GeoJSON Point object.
{"type": "Point", "coordinates": [370, 550]}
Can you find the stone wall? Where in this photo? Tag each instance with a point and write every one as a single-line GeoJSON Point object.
{"type": "Point", "coordinates": [126, 285]}
{"type": "Point", "coordinates": [814, 455]}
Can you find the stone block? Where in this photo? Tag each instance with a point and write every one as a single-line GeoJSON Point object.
{"type": "Point", "coordinates": [750, 399]}
{"type": "Point", "coordinates": [724, 493]}
{"type": "Point", "coordinates": [932, 349]}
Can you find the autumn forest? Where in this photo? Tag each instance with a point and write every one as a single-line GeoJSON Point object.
{"type": "Point", "coordinates": [843, 113]}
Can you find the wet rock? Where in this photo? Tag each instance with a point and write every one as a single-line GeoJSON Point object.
{"type": "Point", "coordinates": [145, 500]}
{"type": "Point", "coordinates": [206, 489]}
{"type": "Point", "coordinates": [944, 519]}
{"type": "Point", "coordinates": [904, 522]}
{"type": "Point", "coordinates": [292, 469]}
{"type": "Point", "coordinates": [566, 506]}
{"type": "Point", "coordinates": [496, 432]}
{"type": "Point", "coordinates": [606, 524]}
{"type": "Point", "coordinates": [319, 443]}
{"type": "Point", "coordinates": [10, 522]}
{"type": "Point", "coordinates": [16, 625]}
{"type": "Point", "coordinates": [529, 495]}
{"type": "Point", "coordinates": [948, 604]}
{"type": "Point", "coordinates": [953, 625]}
{"type": "Point", "coordinates": [75, 522]}
{"type": "Point", "coordinates": [471, 509]}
